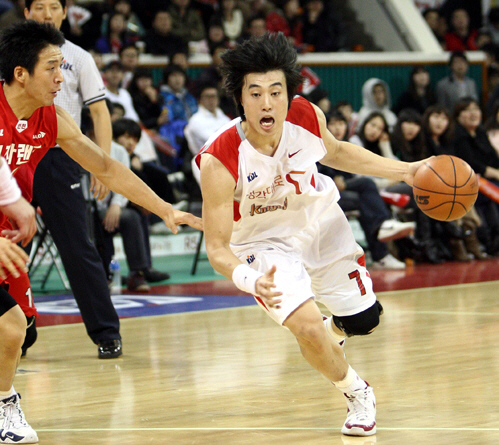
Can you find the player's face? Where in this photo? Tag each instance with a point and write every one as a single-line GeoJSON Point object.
{"type": "Point", "coordinates": [264, 98]}
{"type": "Point", "coordinates": [438, 123]}
{"type": "Point", "coordinates": [46, 11]}
{"type": "Point", "coordinates": [42, 86]}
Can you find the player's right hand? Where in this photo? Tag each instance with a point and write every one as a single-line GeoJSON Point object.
{"type": "Point", "coordinates": [22, 218]}
{"type": "Point", "coordinates": [264, 289]}
{"type": "Point", "coordinates": [12, 259]}
{"type": "Point", "coordinates": [176, 217]}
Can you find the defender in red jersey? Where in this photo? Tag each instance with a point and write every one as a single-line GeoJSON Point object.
{"type": "Point", "coordinates": [30, 124]}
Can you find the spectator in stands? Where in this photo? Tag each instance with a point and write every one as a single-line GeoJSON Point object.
{"type": "Point", "coordinates": [472, 144]}
{"type": "Point", "coordinates": [436, 23]}
{"type": "Point", "coordinates": [134, 25]}
{"type": "Point", "coordinates": [438, 129]}
{"type": "Point", "coordinates": [232, 20]}
{"type": "Point", "coordinates": [113, 75]}
{"type": "Point", "coordinates": [216, 34]}
{"type": "Point", "coordinates": [257, 27]}
{"type": "Point", "coordinates": [116, 37]}
{"type": "Point", "coordinates": [13, 15]}
{"type": "Point", "coordinates": [320, 97]}
{"type": "Point", "coordinates": [493, 24]}
{"type": "Point", "coordinates": [457, 84]}
{"type": "Point", "coordinates": [186, 21]}
{"type": "Point", "coordinates": [408, 143]}
{"type": "Point", "coordinates": [207, 120]}
{"type": "Point", "coordinates": [129, 58]}
{"type": "Point", "coordinates": [211, 75]}
{"type": "Point", "coordinates": [160, 40]}
{"type": "Point", "coordinates": [288, 20]}
{"type": "Point", "coordinates": [116, 216]}
{"type": "Point", "coordinates": [146, 99]}
{"type": "Point", "coordinates": [460, 37]}
{"type": "Point", "coordinates": [419, 94]}
{"type": "Point", "coordinates": [346, 108]}
{"type": "Point", "coordinates": [322, 29]}
{"type": "Point", "coordinates": [180, 105]}
{"type": "Point", "coordinates": [376, 97]}
{"type": "Point", "coordinates": [483, 38]}
{"type": "Point", "coordinates": [253, 7]}
{"type": "Point", "coordinates": [360, 193]}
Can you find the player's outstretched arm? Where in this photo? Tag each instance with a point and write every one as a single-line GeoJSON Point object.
{"type": "Point", "coordinates": [217, 187]}
{"type": "Point", "coordinates": [352, 158]}
{"type": "Point", "coordinates": [115, 175]}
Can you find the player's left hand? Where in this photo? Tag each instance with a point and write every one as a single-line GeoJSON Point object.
{"type": "Point", "coordinates": [98, 189]}
{"type": "Point", "coordinates": [12, 259]}
{"type": "Point", "coordinates": [22, 217]}
{"type": "Point", "coordinates": [413, 168]}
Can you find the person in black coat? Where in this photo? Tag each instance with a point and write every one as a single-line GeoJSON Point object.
{"type": "Point", "coordinates": [418, 95]}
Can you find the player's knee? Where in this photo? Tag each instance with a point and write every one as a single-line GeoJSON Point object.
{"type": "Point", "coordinates": [362, 323]}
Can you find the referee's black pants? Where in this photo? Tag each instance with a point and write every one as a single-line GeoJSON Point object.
{"type": "Point", "coordinates": [57, 190]}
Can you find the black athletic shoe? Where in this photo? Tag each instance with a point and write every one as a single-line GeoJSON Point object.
{"type": "Point", "coordinates": [153, 276]}
{"type": "Point", "coordinates": [110, 348]}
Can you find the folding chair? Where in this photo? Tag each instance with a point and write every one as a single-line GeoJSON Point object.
{"type": "Point", "coordinates": [44, 248]}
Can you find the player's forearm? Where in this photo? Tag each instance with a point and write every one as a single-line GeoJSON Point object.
{"type": "Point", "coordinates": [221, 257]}
{"type": "Point", "coordinates": [123, 181]}
{"type": "Point", "coordinates": [355, 159]}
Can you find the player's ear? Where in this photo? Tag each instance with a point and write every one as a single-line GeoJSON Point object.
{"type": "Point", "coordinates": [20, 74]}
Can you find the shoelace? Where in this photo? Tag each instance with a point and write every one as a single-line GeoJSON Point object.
{"type": "Point", "coordinates": [358, 404]}
{"type": "Point", "coordinates": [11, 413]}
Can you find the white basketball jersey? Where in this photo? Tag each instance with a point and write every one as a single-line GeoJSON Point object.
{"type": "Point", "coordinates": [281, 195]}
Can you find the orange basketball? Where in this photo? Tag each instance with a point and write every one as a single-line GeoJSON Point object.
{"type": "Point", "coordinates": [445, 188]}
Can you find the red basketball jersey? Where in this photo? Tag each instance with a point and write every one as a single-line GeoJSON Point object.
{"type": "Point", "coordinates": [23, 143]}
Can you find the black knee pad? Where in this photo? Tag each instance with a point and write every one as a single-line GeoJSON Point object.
{"type": "Point", "coordinates": [31, 335]}
{"type": "Point", "coordinates": [362, 323]}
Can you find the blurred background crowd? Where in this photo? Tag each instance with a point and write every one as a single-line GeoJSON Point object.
{"type": "Point", "coordinates": [163, 113]}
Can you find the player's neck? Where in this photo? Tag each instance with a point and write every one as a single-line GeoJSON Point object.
{"type": "Point", "coordinates": [266, 145]}
{"type": "Point", "coordinates": [22, 108]}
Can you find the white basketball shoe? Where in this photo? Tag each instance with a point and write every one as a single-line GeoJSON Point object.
{"type": "Point", "coordinates": [361, 414]}
{"type": "Point", "coordinates": [13, 425]}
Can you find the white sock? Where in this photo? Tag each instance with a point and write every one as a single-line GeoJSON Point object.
{"type": "Point", "coordinates": [351, 382]}
{"type": "Point", "coordinates": [5, 394]}
{"type": "Point", "coordinates": [339, 338]}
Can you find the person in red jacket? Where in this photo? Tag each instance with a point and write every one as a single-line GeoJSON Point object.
{"type": "Point", "coordinates": [461, 37]}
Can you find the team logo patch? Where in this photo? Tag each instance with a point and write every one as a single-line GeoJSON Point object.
{"type": "Point", "coordinates": [21, 125]}
{"type": "Point", "coordinates": [252, 176]}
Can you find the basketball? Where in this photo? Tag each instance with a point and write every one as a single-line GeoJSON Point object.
{"type": "Point", "coordinates": [445, 188]}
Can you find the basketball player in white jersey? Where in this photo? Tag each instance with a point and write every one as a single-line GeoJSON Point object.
{"type": "Point", "coordinates": [273, 224]}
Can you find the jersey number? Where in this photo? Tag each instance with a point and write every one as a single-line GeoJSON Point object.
{"type": "Point", "coordinates": [356, 275]}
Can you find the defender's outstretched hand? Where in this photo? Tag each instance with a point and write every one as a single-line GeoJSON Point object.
{"type": "Point", "coordinates": [264, 286]}
{"type": "Point", "coordinates": [176, 217]}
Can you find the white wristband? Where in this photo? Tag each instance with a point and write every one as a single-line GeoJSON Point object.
{"type": "Point", "coordinates": [9, 190]}
{"type": "Point", "coordinates": [244, 277]}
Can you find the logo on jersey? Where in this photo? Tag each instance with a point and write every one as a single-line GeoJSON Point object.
{"type": "Point", "coordinates": [250, 258]}
{"type": "Point", "coordinates": [66, 65]}
{"type": "Point", "coordinates": [290, 155]}
{"type": "Point", "coordinates": [252, 176]}
{"type": "Point", "coordinates": [1, 131]}
{"type": "Point", "coordinates": [21, 125]}
{"type": "Point", "coordinates": [23, 151]}
{"type": "Point", "coordinates": [39, 136]}
{"type": "Point", "coordinates": [259, 209]}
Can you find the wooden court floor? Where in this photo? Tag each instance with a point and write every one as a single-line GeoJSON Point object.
{"type": "Point", "coordinates": [234, 377]}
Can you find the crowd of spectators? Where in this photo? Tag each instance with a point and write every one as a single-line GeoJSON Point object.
{"type": "Point", "coordinates": [176, 113]}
